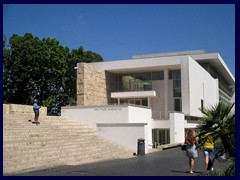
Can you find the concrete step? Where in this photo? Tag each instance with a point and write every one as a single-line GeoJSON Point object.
{"type": "Point", "coordinates": [68, 156]}
{"type": "Point", "coordinates": [79, 145]}
{"type": "Point", "coordinates": [45, 141]}
{"type": "Point", "coordinates": [56, 141]}
{"type": "Point", "coordinates": [21, 131]}
{"type": "Point", "coordinates": [64, 153]}
{"type": "Point", "coordinates": [39, 165]}
{"type": "Point", "coordinates": [24, 121]}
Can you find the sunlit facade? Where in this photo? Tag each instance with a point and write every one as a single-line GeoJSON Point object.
{"type": "Point", "coordinates": [175, 86]}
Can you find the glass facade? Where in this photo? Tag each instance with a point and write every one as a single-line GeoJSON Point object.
{"type": "Point", "coordinates": [135, 101]}
{"type": "Point", "coordinates": [137, 81]}
{"type": "Point", "coordinates": [177, 92]}
{"type": "Point", "coordinates": [225, 92]}
{"type": "Point", "coordinates": [161, 136]}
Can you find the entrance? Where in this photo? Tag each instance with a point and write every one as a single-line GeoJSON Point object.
{"type": "Point", "coordinates": [139, 102]}
{"type": "Point", "coordinates": [161, 136]}
{"type": "Point", "coordinates": [135, 101]}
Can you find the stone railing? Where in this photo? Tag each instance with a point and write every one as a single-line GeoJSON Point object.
{"type": "Point", "coordinates": [21, 109]}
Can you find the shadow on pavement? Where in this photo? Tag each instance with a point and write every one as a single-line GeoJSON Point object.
{"type": "Point", "coordinates": [171, 162]}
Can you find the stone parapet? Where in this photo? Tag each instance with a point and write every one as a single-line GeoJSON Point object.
{"type": "Point", "coordinates": [21, 109]}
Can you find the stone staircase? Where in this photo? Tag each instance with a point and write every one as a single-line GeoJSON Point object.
{"type": "Point", "coordinates": [57, 141]}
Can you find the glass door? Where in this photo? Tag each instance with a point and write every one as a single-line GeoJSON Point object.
{"type": "Point", "coordinates": [135, 102]}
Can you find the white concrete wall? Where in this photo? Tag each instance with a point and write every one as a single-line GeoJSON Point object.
{"type": "Point", "coordinates": [185, 86]}
{"type": "Point", "coordinates": [142, 115]}
{"type": "Point", "coordinates": [91, 116]}
{"type": "Point", "coordinates": [160, 124]}
{"type": "Point", "coordinates": [125, 134]}
{"type": "Point", "coordinates": [201, 86]}
{"type": "Point", "coordinates": [99, 114]}
{"type": "Point", "coordinates": [108, 114]}
{"type": "Point", "coordinates": [145, 63]}
{"type": "Point", "coordinates": [176, 128]}
{"type": "Point", "coordinates": [158, 102]}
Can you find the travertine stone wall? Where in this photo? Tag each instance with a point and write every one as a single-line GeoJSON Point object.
{"type": "Point", "coordinates": [94, 86]}
{"type": "Point", "coordinates": [22, 109]}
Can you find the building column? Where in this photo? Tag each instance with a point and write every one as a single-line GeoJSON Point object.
{"type": "Point", "coordinates": [149, 102]}
{"type": "Point", "coordinates": [118, 101]}
{"type": "Point", "coordinates": [166, 77]}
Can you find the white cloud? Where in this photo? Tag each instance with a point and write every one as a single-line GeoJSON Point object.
{"type": "Point", "coordinates": [81, 20]}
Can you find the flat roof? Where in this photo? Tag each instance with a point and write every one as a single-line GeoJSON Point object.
{"type": "Point", "coordinates": [179, 53]}
{"type": "Point", "coordinates": [156, 62]}
{"type": "Point", "coordinates": [216, 61]}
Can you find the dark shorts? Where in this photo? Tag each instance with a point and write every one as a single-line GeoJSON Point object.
{"type": "Point", "coordinates": [36, 112]}
{"type": "Point", "coordinates": [208, 151]}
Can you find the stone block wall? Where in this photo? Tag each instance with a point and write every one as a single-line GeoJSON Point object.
{"type": "Point", "coordinates": [94, 86]}
{"type": "Point", "coordinates": [22, 109]}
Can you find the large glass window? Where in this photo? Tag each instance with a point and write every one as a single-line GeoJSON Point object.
{"type": "Point", "coordinates": [178, 104]}
{"type": "Point", "coordinates": [140, 102]}
{"type": "Point", "coordinates": [175, 75]}
{"type": "Point", "coordinates": [158, 75]}
{"type": "Point", "coordinates": [138, 81]}
{"type": "Point", "coordinates": [161, 136]}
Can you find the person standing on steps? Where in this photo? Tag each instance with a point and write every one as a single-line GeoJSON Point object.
{"type": "Point", "coordinates": [191, 150]}
{"type": "Point", "coordinates": [36, 108]}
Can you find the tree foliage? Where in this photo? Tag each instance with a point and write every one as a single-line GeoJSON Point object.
{"type": "Point", "coordinates": [219, 120]}
{"type": "Point", "coordinates": [42, 69]}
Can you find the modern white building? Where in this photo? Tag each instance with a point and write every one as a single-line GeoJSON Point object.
{"type": "Point", "coordinates": [155, 97]}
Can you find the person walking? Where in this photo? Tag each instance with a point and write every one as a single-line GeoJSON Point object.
{"type": "Point", "coordinates": [191, 150]}
{"type": "Point", "coordinates": [36, 108]}
{"type": "Point", "coordinates": [208, 149]}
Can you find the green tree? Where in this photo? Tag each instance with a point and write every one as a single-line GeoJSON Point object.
{"type": "Point", "coordinates": [17, 68]}
{"type": "Point", "coordinates": [6, 71]}
{"type": "Point", "coordinates": [54, 74]}
{"type": "Point", "coordinates": [219, 120]}
{"type": "Point", "coordinates": [77, 56]}
{"type": "Point", "coordinates": [42, 69]}
{"type": "Point", "coordinates": [35, 69]}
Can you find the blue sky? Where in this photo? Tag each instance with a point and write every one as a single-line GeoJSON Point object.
{"type": "Point", "coordinates": [119, 32]}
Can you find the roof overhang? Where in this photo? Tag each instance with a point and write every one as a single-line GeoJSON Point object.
{"type": "Point", "coordinates": [133, 94]}
{"type": "Point", "coordinates": [216, 61]}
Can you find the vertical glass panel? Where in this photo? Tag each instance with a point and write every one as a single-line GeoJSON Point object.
{"type": "Point", "coordinates": [138, 102]}
{"type": "Point", "coordinates": [177, 92]}
{"type": "Point", "coordinates": [202, 105]}
{"type": "Point", "coordinates": [168, 136]}
{"type": "Point", "coordinates": [161, 137]}
{"type": "Point", "coordinates": [158, 75]}
{"type": "Point", "coordinates": [123, 101]}
{"type": "Point", "coordinates": [144, 102]}
{"type": "Point", "coordinates": [177, 105]}
{"type": "Point", "coordinates": [177, 83]}
{"type": "Point", "coordinates": [143, 81]}
{"type": "Point", "coordinates": [175, 74]}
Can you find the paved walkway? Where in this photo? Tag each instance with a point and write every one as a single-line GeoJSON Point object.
{"type": "Point", "coordinates": [170, 162]}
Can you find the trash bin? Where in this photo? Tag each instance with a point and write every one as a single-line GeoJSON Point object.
{"type": "Point", "coordinates": [141, 147]}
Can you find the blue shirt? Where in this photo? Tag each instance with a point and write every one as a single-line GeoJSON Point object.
{"type": "Point", "coordinates": [35, 107]}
